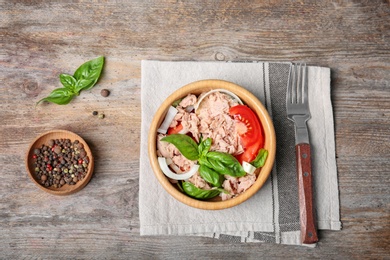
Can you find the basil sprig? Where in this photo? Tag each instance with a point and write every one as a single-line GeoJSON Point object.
{"type": "Point", "coordinates": [222, 163]}
{"type": "Point", "coordinates": [84, 78]}
{"type": "Point", "coordinates": [213, 165]}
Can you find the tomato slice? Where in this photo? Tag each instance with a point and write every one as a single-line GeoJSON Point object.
{"type": "Point", "coordinates": [175, 130]}
{"type": "Point", "coordinates": [249, 153]}
{"type": "Point", "coordinates": [250, 132]}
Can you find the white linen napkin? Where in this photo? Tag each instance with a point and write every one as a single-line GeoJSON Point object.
{"type": "Point", "coordinates": [272, 214]}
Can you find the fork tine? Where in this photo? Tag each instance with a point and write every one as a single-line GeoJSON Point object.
{"type": "Point", "coordinates": [289, 84]}
{"type": "Point", "coordinates": [299, 84]}
{"type": "Point", "coordinates": [305, 86]}
{"type": "Point", "coordinates": [297, 87]}
{"type": "Point", "coordinates": [294, 84]}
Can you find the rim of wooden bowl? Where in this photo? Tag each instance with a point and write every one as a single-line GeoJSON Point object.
{"type": "Point", "coordinates": [43, 139]}
{"type": "Point", "coordinates": [250, 100]}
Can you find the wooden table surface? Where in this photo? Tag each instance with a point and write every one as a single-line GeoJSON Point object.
{"type": "Point", "coordinates": [41, 39]}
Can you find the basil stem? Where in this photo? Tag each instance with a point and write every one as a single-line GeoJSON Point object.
{"type": "Point", "coordinates": [185, 144]}
{"type": "Point", "coordinates": [259, 161]}
{"type": "Point", "coordinates": [195, 192]}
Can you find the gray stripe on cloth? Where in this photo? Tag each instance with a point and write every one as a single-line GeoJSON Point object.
{"type": "Point", "coordinates": [285, 149]}
{"type": "Point", "coordinates": [262, 92]}
{"type": "Point", "coordinates": [270, 237]}
{"type": "Point", "coordinates": [285, 195]}
{"type": "Point", "coordinates": [229, 238]}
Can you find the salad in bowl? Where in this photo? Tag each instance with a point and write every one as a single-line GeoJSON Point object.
{"type": "Point", "coordinates": [212, 144]}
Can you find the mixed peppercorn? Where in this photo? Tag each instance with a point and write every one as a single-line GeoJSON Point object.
{"type": "Point", "coordinates": [60, 162]}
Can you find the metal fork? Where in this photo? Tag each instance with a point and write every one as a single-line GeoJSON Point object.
{"type": "Point", "coordinates": [297, 104]}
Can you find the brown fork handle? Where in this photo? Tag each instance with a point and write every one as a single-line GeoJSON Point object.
{"type": "Point", "coordinates": [305, 188]}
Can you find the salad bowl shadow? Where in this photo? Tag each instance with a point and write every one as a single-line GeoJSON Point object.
{"type": "Point", "coordinates": [248, 99]}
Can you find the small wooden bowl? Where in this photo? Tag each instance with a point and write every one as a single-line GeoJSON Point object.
{"type": "Point", "coordinates": [249, 99]}
{"type": "Point", "coordinates": [44, 139]}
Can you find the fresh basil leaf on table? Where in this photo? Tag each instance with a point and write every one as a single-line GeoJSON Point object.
{"type": "Point", "coordinates": [60, 96]}
{"type": "Point", "coordinates": [89, 73]}
{"type": "Point", "coordinates": [83, 84]}
{"type": "Point", "coordinates": [84, 78]}
{"type": "Point", "coordinates": [68, 81]}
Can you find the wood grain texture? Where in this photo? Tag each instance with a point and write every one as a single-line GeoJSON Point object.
{"type": "Point", "coordinates": [305, 190]}
{"type": "Point", "coordinates": [41, 39]}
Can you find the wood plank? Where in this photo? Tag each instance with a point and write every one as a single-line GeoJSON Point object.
{"type": "Point", "coordinates": [40, 39]}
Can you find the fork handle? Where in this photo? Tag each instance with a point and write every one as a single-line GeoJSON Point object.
{"type": "Point", "coordinates": [305, 188]}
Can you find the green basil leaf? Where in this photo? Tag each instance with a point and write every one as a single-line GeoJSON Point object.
{"type": "Point", "coordinates": [59, 96]}
{"type": "Point", "coordinates": [260, 159]}
{"type": "Point", "coordinates": [185, 144]}
{"type": "Point", "coordinates": [88, 73]}
{"type": "Point", "coordinates": [84, 84]}
{"type": "Point", "coordinates": [225, 163]}
{"type": "Point", "coordinates": [176, 102]}
{"type": "Point", "coordinates": [211, 176]}
{"type": "Point", "coordinates": [197, 193]}
{"type": "Point", "coordinates": [204, 146]}
{"type": "Point", "coordinates": [68, 81]}
{"type": "Point", "coordinates": [203, 160]}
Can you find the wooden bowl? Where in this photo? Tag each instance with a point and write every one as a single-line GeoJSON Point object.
{"type": "Point", "coordinates": [249, 99]}
{"type": "Point", "coordinates": [44, 139]}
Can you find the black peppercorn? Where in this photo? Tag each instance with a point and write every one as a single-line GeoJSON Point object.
{"type": "Point", "coordinates": [52, 163]}
{"type": "Point", "coordinates": [104, 92]}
